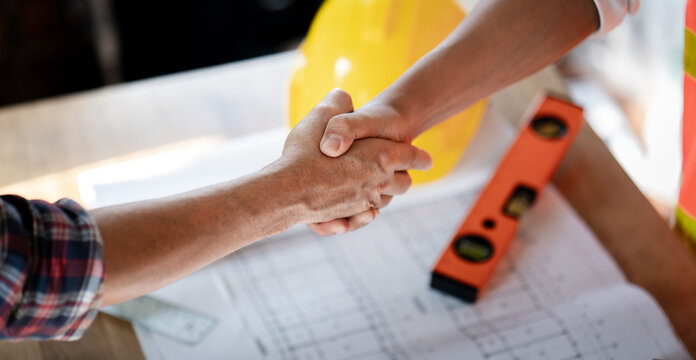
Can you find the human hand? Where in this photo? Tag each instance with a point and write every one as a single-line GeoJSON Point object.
{"type": "Point", "coordinates": [344, 193]}
{"type": "Point", "coordinates": [373, 120]}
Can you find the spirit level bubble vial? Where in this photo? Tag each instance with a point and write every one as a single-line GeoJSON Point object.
{"type": "Point", "coordinates": [471, 256]}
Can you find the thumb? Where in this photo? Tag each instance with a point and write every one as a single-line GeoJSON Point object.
{"type": "Point", "coordinates": [343, 129]}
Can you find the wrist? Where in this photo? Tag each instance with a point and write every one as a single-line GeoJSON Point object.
{"type": "Point", "coordinates": [283, 183]}
{"type": "Point", "coordinates": [400, 112]}
{"type": "Point", "coordinates": [269, 198]}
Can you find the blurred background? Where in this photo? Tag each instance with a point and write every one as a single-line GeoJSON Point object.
{"type": "Point", "coordinates": [629, 81]}
{"type": "Point", "coordinates": [49, 48]}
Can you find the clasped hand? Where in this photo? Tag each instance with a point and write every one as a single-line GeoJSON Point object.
{"type": "Point", "coordinates": [343, 193]}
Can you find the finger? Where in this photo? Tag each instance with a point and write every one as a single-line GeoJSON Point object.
{"type": "Point", "coordinates": [399, 184]}
{"type": "Point", "coordinates": [336, 102]}
{"type": "Point", "coordinates": [359, 220]}
{"type": "Point", "coordinates": [407, 157]}
{"type": "Point", "coordinates": [377, 120]}
{"type": "Point", "coordinates": [339, 100]}
{"type": "Point", "coordinates": [338, 226]}
{"type": "Point", "coordinates": [384, 201]}
{"type": "Point", "coordinates": [342, 130]}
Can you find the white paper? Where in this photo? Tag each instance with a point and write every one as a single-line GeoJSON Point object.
{"type": "Point", "coordinates": [208, 293]}
{"type": "Point", "coordinates": [556, 295]}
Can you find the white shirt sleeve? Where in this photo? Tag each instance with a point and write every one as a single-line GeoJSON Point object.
{"type": "Point", "coordinates": [612, 12]}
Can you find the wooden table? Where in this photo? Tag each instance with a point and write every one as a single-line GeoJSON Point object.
{"type": "Point", "coordinates": [45, 145]}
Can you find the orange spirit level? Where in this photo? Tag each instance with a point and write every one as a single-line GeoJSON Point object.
{"type": "Point", "coordinates": [481, 241]}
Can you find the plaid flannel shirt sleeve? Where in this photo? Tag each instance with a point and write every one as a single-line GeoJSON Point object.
{"type": "Point", "coordinates": [51, 269]}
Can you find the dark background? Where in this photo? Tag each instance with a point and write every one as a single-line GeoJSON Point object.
{"type": "Point", "coordinates": [53, 47]}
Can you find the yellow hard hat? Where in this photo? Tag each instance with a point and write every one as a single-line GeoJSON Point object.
{"type": "Point", "coordinates": [362, 46]}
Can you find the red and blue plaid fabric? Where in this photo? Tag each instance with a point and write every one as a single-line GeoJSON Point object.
{"type": "Point", "coordinates": [51, 269]}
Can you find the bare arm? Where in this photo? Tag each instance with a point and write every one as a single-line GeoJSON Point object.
{"type": "Point", "coordinates": [500, 42]}
{"type": "Point", "coordinates": [149, 244]}
{"type": "Point", "coordinates": [639, 239]}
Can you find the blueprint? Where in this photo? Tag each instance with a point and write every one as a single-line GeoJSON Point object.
{"type": "Point", "coordinates": [557, 294]}
{"type": "Point", "coordinates": [365, 295]}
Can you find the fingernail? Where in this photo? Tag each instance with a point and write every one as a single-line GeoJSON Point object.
{"type": "Point", "coordinates": [427, 165]}
{"type": "Point", "coordinates": [331, 144]}
{"type": "Point", "coordinates": [368, 218]}
{"type": "Point", "coordinates": [339, 229]}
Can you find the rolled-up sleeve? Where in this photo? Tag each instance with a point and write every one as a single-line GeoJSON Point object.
{"type": "Point", "coordinates": [51, 269]}
{"type": "Point", "coordinates": [612, 13]}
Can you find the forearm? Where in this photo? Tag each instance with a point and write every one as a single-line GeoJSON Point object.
{"type": "Point", "coordinates": [500, 42]}
{"type": "Point", "coordinates": [640, 242]}
{"type": "Point", "coordinates": [149, 244]}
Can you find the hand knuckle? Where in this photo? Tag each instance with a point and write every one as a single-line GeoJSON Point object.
{"type": "Point", "coordinates": [376, 199]}
{"type": "Point", "coordinates": [341, 94]}
{"type": "Point", "coordinates": [323, 108]}
{"type": "Point", "coordinates": [372, 200]}
{"type": "Point", "coordinates": [344, 100]}
{"type": "Point", "coordinates": [386, 201]}
{"type": "Point", "coordinates": [339, 121]}
{"type": "Point", "coordinates": [385, 160]}
{"type": "Point", "coordinates": [408, 181]}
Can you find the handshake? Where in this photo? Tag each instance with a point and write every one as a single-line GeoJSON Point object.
{"type": "Point", "coordinates": [341, 181]}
